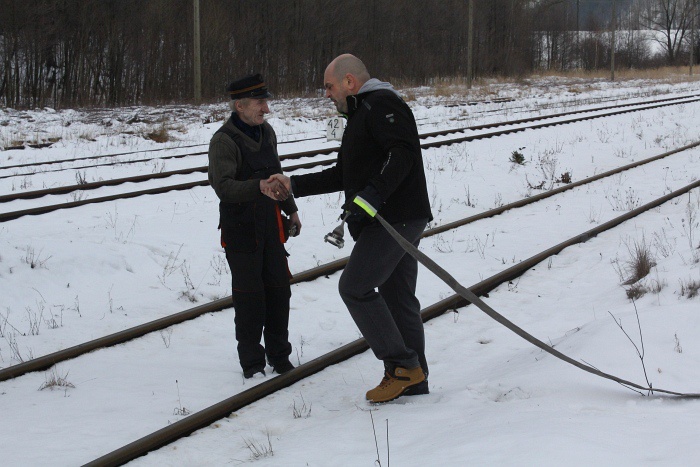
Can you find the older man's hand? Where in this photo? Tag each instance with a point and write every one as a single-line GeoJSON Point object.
{"type": "Point", "coordinates": [274, 189]}
{"type": "Point", "coordinates": [283, 179]}
{"type": "Point", "coordinates": [295, 224]}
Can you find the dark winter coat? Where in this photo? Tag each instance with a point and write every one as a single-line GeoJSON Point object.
{"type": "Point", "coordinates": [237, 163]}
{"type": "Point", "coordinates": [225, 164]}
{"type": "Point", "coordinates": [380, 147]}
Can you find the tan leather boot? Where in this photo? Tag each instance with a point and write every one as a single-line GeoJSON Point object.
{"type": "Point", "coordinates": [394, 385]}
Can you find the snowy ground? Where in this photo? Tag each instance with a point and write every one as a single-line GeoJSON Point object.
{"type": "Point", "coordinates": [494, 398]}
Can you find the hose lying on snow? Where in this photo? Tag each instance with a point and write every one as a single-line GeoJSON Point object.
{"type": "Point", "coordinates": [472, 298]}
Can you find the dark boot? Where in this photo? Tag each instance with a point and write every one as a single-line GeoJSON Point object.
{"type": "Point", "coordinates": [251, 371]}
{"type": "Point", "coordinates": [281, 366]}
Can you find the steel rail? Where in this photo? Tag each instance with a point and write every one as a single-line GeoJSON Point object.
{"type": "Point", "coordinates": [557, 115]}
{"type": "Point", "coordinates": [184, 186]}
{"type": "Point", "coordinates": [46, 361]}
{"type": "Point", "coordinates": [7, 216]}
{"type": "Point", "coordinates": [220, 410]}
{"type": "Point", "coordinates": [106, 164]}
{"type": "Point", "coordinates": [101, 156]}
{"type": "Point", "coordinates": [62, 190]}
{"type": "Point", "coordinates": [320, 151]}
{"type": "Point", "coordinates": [147, 177]}
{"type": "Point", "coordinates": [438, 144]}
{"type": "Point", "coordinates": [567, 103]}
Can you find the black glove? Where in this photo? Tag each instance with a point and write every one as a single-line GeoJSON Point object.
{"type": "Point", "coordinates": [365, 204]}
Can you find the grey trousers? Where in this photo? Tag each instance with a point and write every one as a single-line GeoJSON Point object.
{"type": "Point", "coordinates": [378, 286]}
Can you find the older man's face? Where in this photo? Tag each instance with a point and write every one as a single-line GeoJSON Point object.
{"type": "Point", "coordinates": [252, 111]}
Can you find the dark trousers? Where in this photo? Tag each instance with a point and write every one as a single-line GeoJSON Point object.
{"type": "Point", "coordinates": [261, 293]}
{"type": "Point", "coordinates": [378, 286]}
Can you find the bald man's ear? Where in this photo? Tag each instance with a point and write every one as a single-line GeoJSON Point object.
{"type": "Point", "coordinates": [351, 82]}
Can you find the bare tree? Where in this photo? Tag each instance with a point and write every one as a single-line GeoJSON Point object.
{"type": "Point", "coordinates": [123, 52]}
{"type": "Point", "coordinates": [672, 19]}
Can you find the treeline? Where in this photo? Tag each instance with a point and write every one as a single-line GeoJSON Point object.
{"type": "Point", "coordinates": [67, 53]}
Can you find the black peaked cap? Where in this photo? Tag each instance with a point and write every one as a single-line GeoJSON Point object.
{"type": "Point", "coordinates": [252, 86]}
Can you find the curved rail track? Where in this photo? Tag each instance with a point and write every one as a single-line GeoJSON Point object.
{"type": "Point", "coordinates": [217, 411]}
{"type": "Point", "coordinates": [318, 151]}
{"type": "Point", "coordinates": [222, 409]}
{"type": "Point", "coordinates": [569, 103]}
{"type": "Point", "coordinates": [46, 361]}
{"type": "Point", "coordinates": [184, 186]}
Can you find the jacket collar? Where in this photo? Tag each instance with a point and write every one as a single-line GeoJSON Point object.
{"type": "Point", "coordinates": [370, 86]}
{"type": "Point", "coordinates": [354, 101]}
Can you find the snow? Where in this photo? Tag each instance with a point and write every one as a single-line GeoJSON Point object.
{"type": "Point", "coordinates": [495, 399]}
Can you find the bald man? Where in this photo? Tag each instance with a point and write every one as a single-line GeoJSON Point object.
{"type": "Point", "coordinates": [380, 169]}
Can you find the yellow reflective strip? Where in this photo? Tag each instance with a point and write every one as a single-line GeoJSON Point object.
{"type": "Point", "coordinates": [365, 205]}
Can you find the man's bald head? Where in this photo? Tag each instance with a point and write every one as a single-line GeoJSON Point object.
{"type": "Point", "coordinates": [348, 64]}
{"type": "Point", "coordinates": [344, 77]}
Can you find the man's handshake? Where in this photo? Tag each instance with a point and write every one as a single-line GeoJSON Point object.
{"type": "Point", "coordinates": [276, 187]}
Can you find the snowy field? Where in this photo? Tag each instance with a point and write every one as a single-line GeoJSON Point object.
{"type": "Point", "coordinates": [78, 274]}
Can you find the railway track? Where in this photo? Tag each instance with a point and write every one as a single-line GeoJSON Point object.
{"type": "Point", "coordinates": [317, 151]}
{"type": "Point", "coordinates": [241, 400]}
{"type": "Point", "coordinates": [47, 361]}
{"type": "Point", "coordinates": [38, 165]}
{"type": "Point", "coordinates": [153, 150]}
{"type": "Point", "coordinates": [224, 408]}
{"type": "Point", "coordinates": [231, 404]}
{"type": "Point", "coordinates": [530, 124]}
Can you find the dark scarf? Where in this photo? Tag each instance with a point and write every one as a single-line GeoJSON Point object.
{"type": "Point", "coordinates": [253, 132]}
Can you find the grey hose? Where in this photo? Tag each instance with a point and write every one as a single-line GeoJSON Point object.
{"type": "Point", "coordinates": [472, 298]}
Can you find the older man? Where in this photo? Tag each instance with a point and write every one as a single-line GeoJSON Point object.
{"type": "Point", "coordinates": [242, 156]}
{"type": "Point", "coordinates": [380, 169]}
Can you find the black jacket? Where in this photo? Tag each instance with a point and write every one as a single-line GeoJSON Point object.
{"type": "Point", "coordinates": [381, 148]}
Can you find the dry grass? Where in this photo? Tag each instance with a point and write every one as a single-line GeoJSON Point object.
{"type": "Point", "coordinates": [409, 96]}
{"type": "Point", "coordinates": [636, 268]}
{"type": "Point", "coordinates": [259, 450]}
{"type": "Point", "coordinates": [160, 135]}
{"type": "Point", "coordinates": [88, 136]}
{"type": "Point", "coordinates": [55, 381]}
{"type": "Point", "coordinates": [636, 291]}
{"type": "Point", "coordinates": [640, 263]}
{"type": "Point", "coordinates": [690, 288]}
{"type": "Point", "coordinates": [216, 115]}
{"type": "Point", "coordinates": [668, 73]}
{"type": "Point", "coordinates": [444, 90]}
{"type": "Point", "coordinates": [487, 87]}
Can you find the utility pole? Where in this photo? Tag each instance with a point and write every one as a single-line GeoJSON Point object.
{"type": "Point", "coordinates": [578, 37]}
{"type": "Point", "coordinates": [612, 43]}
{"type": "Point", "coordinates": [470, 42]}
{"type": "Point", "coordinates": [197, 56]}
{"type": "Point", "coordinates": [692, 37]}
